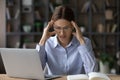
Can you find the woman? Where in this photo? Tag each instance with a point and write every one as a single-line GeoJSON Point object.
{"type": "Point", "coordinates": [68, 52]}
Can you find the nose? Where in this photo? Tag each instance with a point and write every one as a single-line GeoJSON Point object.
{"type": "Point", "coordinates": [61, 32]}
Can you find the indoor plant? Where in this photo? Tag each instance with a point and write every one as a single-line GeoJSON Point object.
{"type": "Point", "coordinates": [105, 61]}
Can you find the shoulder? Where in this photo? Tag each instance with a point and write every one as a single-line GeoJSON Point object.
{"type": "Point", "coordinates": [51, 40]}
{"type": "Point", "coordinates": [87, 40]}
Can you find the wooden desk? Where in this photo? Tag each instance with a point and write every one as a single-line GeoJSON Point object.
{"type": "Point", "coordinates": [5, 77]}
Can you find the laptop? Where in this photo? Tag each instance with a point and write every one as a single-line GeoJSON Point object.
{"type": "Point", "coordinates": [22, 63]}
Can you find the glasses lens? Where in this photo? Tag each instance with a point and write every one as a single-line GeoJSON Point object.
{"type": "Point", "coordinates": [59, 28]}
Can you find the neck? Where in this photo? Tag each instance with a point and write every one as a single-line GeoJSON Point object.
{"type": "Point", "coordinates": [64, 43]}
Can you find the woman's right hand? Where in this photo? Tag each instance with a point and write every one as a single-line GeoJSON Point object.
{"type": "Point", "coordinates": [47, 33]}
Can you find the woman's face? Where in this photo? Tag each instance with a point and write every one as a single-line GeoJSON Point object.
{"type": "Point", "coordinates": [63, 29]}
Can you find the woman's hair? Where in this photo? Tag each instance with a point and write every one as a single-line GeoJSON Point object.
{"type": "Point", "coordinates": [63, 12]}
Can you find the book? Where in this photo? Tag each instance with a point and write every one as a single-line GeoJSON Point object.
{"type": "Point", "coordinates": [114, 28]}
{"type": "Point", "coordinates": [94, 7]}
{"type": "Point", "coordinates": [85, 7]}
{"type": "Point", "coordinates": [90, 76]}
{"type": "Point", "coordinates": [51, 7]}
{"type": "Point", "coordinates": [8, 14]}
{"type": "Point", "coordinates": [107, 2]}
{"type": "Point", "coordinates": [17, 14]}
{"type": "Point", "coordinates": [37, 15]}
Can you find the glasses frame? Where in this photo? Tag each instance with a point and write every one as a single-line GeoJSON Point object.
{"type": "Point", "coordinates": [58, 28]}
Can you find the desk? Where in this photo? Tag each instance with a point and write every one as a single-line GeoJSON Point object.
{"type": "Point", "coordinates": [5, 77]}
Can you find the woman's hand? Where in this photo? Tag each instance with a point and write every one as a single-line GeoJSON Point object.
{"type": "Point", "coordinates": [78, 33]}
{"type": "Point", "coordinates": [46, 33]}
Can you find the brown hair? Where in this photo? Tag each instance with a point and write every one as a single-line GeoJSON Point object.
{"type": "Point", "coordinates": [63, 12]}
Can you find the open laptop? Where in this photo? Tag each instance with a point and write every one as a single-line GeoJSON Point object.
{"type": "Point", "coordinates": [22, 63]}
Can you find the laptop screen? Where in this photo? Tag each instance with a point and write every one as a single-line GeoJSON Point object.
{"type": "Point", "coordinates": [23, 63]}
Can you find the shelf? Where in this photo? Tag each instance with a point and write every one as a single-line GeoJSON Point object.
{"type": "Point", "coordinates": [98, 13]}
{"type": "Point", "coordinates": [39, 5]}
{"type": "Point", "coordinates": [111, 7]}
{"type": "Point", "coordinates": [105, 33]}
{"type": "Point", "coordinates": [23, 33]}
{"type": "Point", "coordinates": [83, 13]}
{"type": "Point", "coordinates": [91, 17]}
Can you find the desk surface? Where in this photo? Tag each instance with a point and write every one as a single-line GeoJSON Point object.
{"type": "Point", "coordinates": [5, 77]}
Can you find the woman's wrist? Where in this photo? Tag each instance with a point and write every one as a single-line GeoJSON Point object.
{"type": "Point", "coordinates": [82, 41]}
{"type": "Point", "coordinates": [42, 41]}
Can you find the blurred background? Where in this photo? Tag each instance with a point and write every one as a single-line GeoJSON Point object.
{"type": "Point", "coordinates": [22, 23]}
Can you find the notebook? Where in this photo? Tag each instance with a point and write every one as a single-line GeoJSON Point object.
{"type": "Point", "coordinates": [22, 63]}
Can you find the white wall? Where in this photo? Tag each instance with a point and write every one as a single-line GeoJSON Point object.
{"type": "Point", "coordinates": [2, 24]}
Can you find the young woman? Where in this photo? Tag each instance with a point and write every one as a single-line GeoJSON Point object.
{"type": "Point", "coordinates": [68, 52]}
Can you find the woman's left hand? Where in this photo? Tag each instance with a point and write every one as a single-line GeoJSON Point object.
{"type": "Point", "coordinates": [78, 33]}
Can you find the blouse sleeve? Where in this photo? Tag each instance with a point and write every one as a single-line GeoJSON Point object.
{"type": "Point", "coordinates": [88, 58]}
{"type": "Point", "coordinates": [42, 54]}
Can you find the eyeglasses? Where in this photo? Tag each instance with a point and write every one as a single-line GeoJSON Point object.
{"type": "Point", "coordinates": [66, 28]}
